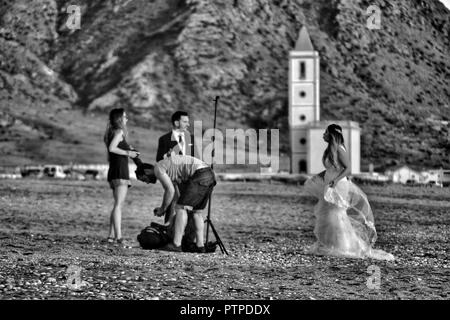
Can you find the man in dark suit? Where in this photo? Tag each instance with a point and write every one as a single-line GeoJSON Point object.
{"type": "Point", "coordinates": [179, 142]}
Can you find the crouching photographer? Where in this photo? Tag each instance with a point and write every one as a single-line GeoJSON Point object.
{"type": "Point", "coordinates": [195, 180]}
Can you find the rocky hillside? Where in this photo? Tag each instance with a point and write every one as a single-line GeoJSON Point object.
{"type": "Point", "coordinates": [154, 57]}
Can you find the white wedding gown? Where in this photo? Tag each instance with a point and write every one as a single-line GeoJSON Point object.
{"type": "Point", "coordinates": [344, 221]}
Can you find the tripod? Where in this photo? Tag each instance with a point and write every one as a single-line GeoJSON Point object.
{"type": "Point", "coordinates": [208, 219]}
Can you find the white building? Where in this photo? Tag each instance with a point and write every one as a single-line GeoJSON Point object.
{"type": "Point", "coordinates": [407, 174]}
{"type": "Point", "coordinates": [433, 177]}
{"type": "Point", "coordinates": [306, 129]}
{"type": "Point", "coordinates": [372, 176]}
{"type": "Point", "coordinates": [403, 174]}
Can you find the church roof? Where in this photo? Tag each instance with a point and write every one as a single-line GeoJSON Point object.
{"type": "Point", "coordinates": [303, 42]}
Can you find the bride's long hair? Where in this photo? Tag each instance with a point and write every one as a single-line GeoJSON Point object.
{"type": "Point", "coordinates": [335, 140]}
{"type": "Point", "coordinates": [115, 123]}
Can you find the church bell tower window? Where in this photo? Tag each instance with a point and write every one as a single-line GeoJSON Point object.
{"type": "Point", "coordinates": [302, 74]}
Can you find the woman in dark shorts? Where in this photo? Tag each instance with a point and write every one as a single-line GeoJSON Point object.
{"type": "Point", "coordinates": [118, 175]}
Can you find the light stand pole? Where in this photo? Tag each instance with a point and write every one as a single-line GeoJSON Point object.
{"type": "Point", "coordinates": [208, 219]}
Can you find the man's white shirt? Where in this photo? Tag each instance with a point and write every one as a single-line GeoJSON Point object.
{"type": "Point", "coordinates": [176, 136]}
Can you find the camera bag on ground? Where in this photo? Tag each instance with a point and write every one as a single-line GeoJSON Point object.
{"type": "Point", "coordinates": [156, 236]}
{"type": "Point", "coordinates": [153, 237]}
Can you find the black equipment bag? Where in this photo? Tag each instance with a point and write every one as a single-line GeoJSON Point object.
{"type": "Point", "coordinates": [153, 237]}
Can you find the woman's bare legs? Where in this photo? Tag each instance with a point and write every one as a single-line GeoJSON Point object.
{"type": "Point", "coordinates": [111, 217]}
{"type": "Point", "coordinates": [120, 193]}
{"type": "Point", "coordinates": [111, 225]}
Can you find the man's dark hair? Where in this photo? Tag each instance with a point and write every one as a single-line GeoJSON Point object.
{"type": "Point", "coordinates": [177, 116]}
{"type": "Point", "coordinates": [142, 174]}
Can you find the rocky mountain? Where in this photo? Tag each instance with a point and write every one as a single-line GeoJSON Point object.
{"type": "Point", "coordinates": [57, 81]}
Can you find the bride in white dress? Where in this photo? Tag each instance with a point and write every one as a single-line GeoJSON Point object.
{"type": "Point", "coordinates": [344, 220]}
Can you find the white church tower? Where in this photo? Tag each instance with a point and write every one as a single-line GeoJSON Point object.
{"type": "Point", "coordinates": [306, 129]}
{"type": "Point", "coordinates": [304, 98]}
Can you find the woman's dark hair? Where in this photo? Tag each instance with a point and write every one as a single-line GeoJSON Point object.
{"type": "Point", "coordinates": [336, 139]}
{"type": "Point", "coordinates": [177, 116]}
{"type": "Point", "coordinates": [115, 123]}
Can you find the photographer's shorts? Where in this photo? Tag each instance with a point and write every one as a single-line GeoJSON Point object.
{"type": "Point", "coordinates": [194, 193]}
